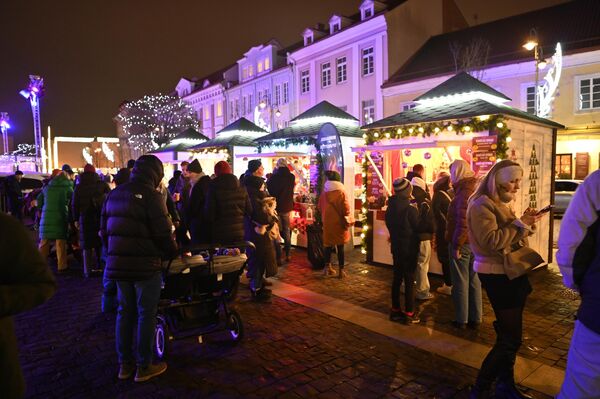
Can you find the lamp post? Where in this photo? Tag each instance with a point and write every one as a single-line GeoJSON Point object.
{"type": "Point", "coordinates": [4, 126]}
{"type": "Point", "coordinates": [532, 43]}
{"type": "Point", "coordinates": [34, 91]}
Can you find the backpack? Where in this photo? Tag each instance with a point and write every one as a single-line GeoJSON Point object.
{"type": "Point", "coordinates": [426, 220]}
{"type": "Point", "coordinates": [586, 252]}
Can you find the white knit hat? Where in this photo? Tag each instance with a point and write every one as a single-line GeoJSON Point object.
{"type": "Point", "coordinates": [417, 181]}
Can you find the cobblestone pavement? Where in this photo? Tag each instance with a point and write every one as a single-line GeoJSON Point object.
{"type": "Point", "coordinates": [67, 351]}
{"type": "Point", "coordinates": [548, 317]}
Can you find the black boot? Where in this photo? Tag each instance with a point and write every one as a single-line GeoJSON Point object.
{"type": "Point", "coordinates": [479, 393]}
{"type": "Point", "coordinates": [508, 390]}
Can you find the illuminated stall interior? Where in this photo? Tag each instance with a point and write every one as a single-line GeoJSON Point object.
{"type": "Point", "coordinates": [461, 118]}
{"type": "Point", "coordinates": [178, 149]}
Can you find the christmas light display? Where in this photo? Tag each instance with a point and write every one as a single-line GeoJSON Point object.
{"type": "Point", "coordinates": [154, 120]}
{"type": "Point", "coordinates": [34, 91]}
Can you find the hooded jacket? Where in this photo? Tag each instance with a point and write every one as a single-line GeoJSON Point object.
{"type": "Point", "coordinates": [334, 207]}
{"type": "Point", "coordinates": [86, 205]}
{"type": "Point", "coordinates": [54, 203]}
{"type": "Point", "coordinates": [197, 224]}
{"type": "Point", "coordinates": [135, 225]}
{"type": "Point", "coordinates": [402, 222]}
{"type": "Point", "coordinates": [456, 222]}
{"type": "Point", "coordinates": [423, 202]}
{"type": "Point", "coordinates": [281, 186]}
{"type": "Point", "coordinates": [226, 206]}
{"type": "Point", "coordinates": [442, 195]}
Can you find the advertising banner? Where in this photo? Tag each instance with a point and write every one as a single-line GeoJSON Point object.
{"type": "Point", "coordinates": [329, 146]}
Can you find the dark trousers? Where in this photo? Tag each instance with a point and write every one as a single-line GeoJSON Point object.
{"type": "Point", "coordinates": [286, 234]}
{"type": "Point", "coordinates": [444, 258]}
{"type": "Point", "coordinates": [404, 270]}
{"type": "Point", "coordinates": [340, 254]}
{"type": "Point", "coordinates": [507, 298]}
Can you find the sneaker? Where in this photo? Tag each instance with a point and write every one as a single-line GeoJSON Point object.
{"type": "Point", "coordinates": [458, 325]}
{"type": "Point", "coordinates": [146, 373]}
{"type": "Point", "coordinates": [411, 318]}
{"type": "Point", "coordinates": [474, 325]}
{"type": "Point", "coordinates": [425, 297]}
{"type": "Point", "coordinates": [444, 290]}
{"type": "Point", "coordinates": [126, 370]}
{"type": "Point", "coordinates": [261, 295]}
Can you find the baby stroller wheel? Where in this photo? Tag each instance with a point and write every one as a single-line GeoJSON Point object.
{"type": "Point", "coordinates": [235, 326]}
{"type": "Point", "coordinates": [161, 338]}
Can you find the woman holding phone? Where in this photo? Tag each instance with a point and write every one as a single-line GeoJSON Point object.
{"type": "Point", "coordinates": [493, 227]}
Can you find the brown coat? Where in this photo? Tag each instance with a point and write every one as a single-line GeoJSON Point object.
{"type": "Point", "coordinates": [456, 227]}
{"type": "Point", "coordinates": [334, 208]}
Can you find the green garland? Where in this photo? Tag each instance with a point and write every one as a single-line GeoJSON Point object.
{"type": "Point", "coordinates": [495, 124]}
{"type": "Point", "coordinates": [285, 143]}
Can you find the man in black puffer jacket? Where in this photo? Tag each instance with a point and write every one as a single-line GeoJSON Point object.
{"type": "Point", "coordinates": [137, 233]}
{"type": "Point", "coordinates": [281, 186]}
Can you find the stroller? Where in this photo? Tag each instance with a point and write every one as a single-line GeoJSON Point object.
{"type": "Point", "coordinates": [195, 295]}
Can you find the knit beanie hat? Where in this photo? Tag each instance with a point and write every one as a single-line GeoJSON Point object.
{"type": "Point", "coordinates": [281, 163]}
{"type": "Point", "coordinates": [194, 167]}
{"type": "Point", "coordinates": [402, 187]}
{"type": "Point", "coordinates": [460, 169]}
{"type": "Point", "coordinates": [417, 181]}
{"type": "Point", "coordinates": [332, 175]}
{"type": "Point", "coordinates": [88, 168]}
{"type": "Point", "coordinates": [56, 172]}
{"type": "Point", "coordinates": [253, 165]}
{"type": "Point", "coordinates": [67, 168]}
{"type": "Point", "coordinates": [130, 163]}
{"type": "Point", "coordinates": [222, 168]}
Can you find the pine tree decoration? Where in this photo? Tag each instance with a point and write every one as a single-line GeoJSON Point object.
{"type": "Point", "coordinates": [533, 162]}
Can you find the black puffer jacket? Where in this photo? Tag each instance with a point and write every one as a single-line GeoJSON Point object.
{"type": "Point", "coordinates": [281, 186]}
{"type": "Point", "coordinates": [86, 206]}
{"type": "Point", "coordinates": [135, 224]}
{"type": "Point", "coordinates": [197, 223]}
{"type": "Point", "coordinates": [442, 195]}
{"type": "Point", "coordinates": [402, 222]}
{"type": "Point", "coordinates": [227, 204]}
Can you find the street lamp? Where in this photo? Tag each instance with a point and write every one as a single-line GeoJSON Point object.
{"type": "Point", "coordinates": [4, 126]}
{"type": "Point", "coordinates": [532, 43]}
{"type": "Point", "coordinates": [34, 91]}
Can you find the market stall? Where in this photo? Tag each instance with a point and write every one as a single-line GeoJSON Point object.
{"type": "Point", "coordinates": [179, 149]}
{"type": "Point", "coordinates": [235, 138]}
{"type": "Point", "coordinates": [316, 140]}
{"type": "Point", "coordinates": [460, 119]}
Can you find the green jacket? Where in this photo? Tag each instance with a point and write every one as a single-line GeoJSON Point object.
{"type": "Point", "coordinates": [25, 282]}
{"type": "Point", "coordinates": [54, 203]}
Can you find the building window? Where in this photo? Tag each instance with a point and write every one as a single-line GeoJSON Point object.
{"type": "Point", "coordinates": [368, 111]}
{"type": "Point", "coordinates": [335, 27]}
{"type": "Point", "coordinates": [260, 97]}
{"type": "Point", "coordinates": [245, 73]}
{"type": "Point", "coordinates": [367, 61]}
{"type": "Point", "coordinates": [277, 94]}
{"type": "Point", "coordinates": [308, 39]}
{"type": "Point", "coordinates": [326, 74]}
{"type": "Point", "coordinates": [267, 64]}
{"type": "Point", "coordinates": [305, 81]}
{"type": "Point", "coordinates": [367, 12]}
{"type": "Point", "coordinates": [286, 92]}
{"type": "Point", "coordinates": [563, 167]}
{"type": "Point", "coordinates": [219, 108]}
{"type": "Point", "coordinates": [231, 114]}
{"type": "Point", "coordinates": [407, 106]}
{"type": "Point", "coordinates": [250, 105]}
{"type": "Point", "coordinates": [236, 112]}
{"type": "Point", "coordinates": [260, 66]}
{"type": "Point", "coordinates": [244, 109]}
{"type": "Point", "coordinates": [342, 71]}
{"type": "Point", "coordinates": [589, 93]}
{"type": "Point", "coordinates": [530, 99]}
{"type": "Point", "coordinates": [250, 70]}
{"type": "Point", "coordinates": [206, 113]}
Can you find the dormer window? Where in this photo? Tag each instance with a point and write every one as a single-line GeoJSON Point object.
{"type": "Point", "coordinates": [308, 39]}
{"type": "Point", "coordinates": [367, 9]}
{"type": "Point", "coordinates": [267, 64]}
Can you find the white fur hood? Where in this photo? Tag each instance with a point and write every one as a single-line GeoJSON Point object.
{"type": "Point", "coordinates": [332, 185]}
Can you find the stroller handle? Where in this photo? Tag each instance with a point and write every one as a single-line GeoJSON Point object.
{"type": "Point", "coordinates": [210, 247]}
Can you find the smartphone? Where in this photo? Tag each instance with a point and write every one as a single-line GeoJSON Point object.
{"type": "Point", "coordinates": [544, 210]}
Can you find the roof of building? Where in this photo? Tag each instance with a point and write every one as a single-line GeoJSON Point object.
{"type": "Point", "coordinates": [312, 130]}
{"type": "Point", "coordinates": [242, 124]}
{"type": "Point", "coordinates": [324, 108]}
{"type": "Point", "coordinates": [190, 134]}
{"type": "Point", "coordinates": [227, 141]}
{"type": "Point", "coordinates": [176, 145]}
{"type": "Point", "coordinates": [458, 84]}
{"type": "Point", "coordinates": [574, 24]}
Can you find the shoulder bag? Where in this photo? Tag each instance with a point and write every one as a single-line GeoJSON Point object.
{"type": "Point", "coordinates": [519, 259]}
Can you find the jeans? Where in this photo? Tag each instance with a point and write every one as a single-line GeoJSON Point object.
{"type": "Point", "coordinates": [90, 261]}
{"type": "Point", "coordinates": [466, 287]}
{"type": "Point", "coordinates": [422, 288]}
{"type": "Point", "coordinates": [582, 377]}
{"type": "Point", "coordinates": [286, 234]}
{"type": "Point", "coordinates": [404, 271]}
{"type": "Point", "coordinates": [61, 252]}
{"type": "Point", "coordinates": [443, 256]}
{"type": "Point", "coordinates": [138, 303]}
{"type": "Point", "coordinates": [109, 294]}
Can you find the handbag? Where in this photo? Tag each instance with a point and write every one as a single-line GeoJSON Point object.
{"type": "Point", "coordinates": [519, 259]}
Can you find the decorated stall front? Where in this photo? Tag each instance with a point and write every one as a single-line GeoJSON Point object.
{"type": "Point", "coordinates": [319, 139]}
{"type": "Point", "coordinates": [179, 149]}
{"type": "Point", "coordinates": [460, 119]}
{"type": "Point", "coordinates": [235, 138]}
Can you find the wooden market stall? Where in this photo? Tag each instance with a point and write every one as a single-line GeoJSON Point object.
{"type": "Point", "coordinates": [300, 145]}
{"type": "Point", "coordinates": [460, 118]}
{"type": "Point", "coordinates": [178, 149]}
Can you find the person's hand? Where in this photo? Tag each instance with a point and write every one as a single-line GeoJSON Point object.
{"type": "Point", "coordinates": [455, 254]}
{"type": "Point", "coordinates": [77, 225]}
{"type": "Point", "coordinates": [530, 216]}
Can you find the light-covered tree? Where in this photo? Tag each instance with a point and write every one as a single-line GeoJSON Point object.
{"type": "Point", "coordinates": [153, 120]}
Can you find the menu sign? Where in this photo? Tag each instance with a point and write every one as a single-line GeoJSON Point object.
{"type": "Point", "coordinates": [484, 154]}
{"type": "Point", "coordinates": [375, 186]}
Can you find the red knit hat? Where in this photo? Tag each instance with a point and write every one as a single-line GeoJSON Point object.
{"type": "Point", "coordinates": [88, 168]}
{"type": "Point", "coordinates": [222, 168]}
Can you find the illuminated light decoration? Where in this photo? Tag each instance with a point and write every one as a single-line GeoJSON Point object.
{"type": "Point", "coordinates": [366, 227]}
{"type": "Point", "coordinates": [362, 235]}
{"type": "Point", "coordinates": [363, 251]}
{"type": "Point", "coordinates": [450, 128]}
{"type": "Point", "coordinates": [427, 155]}
{"type": "Point", "coordinates": [4, 126]}
{"type": "Point", "coordinates": [411, 130]}
{"type": "Point", "coordinates": [547, 91]}
{"type": "Point", "coordinates": [87, 156]}
{"type": "Point", "coordinates": [483, 117]}
{"type": "Point", "coordinates": [436, 129]}
{"type": "Point", "coordinates": [319, 120]}
{"type": "Point", "coordinates": [108, 153]}
{"type": "Point", "coordinates": [376, 134]}
{"type": "Point", "coordinates": [34, 91]}
{"type": "Point", "coordinates": [364, 135]}
{"type": "Point", "coordinates": [399, 131]}
{"type": "Point", "coordinates": [467, 128]}
{"type": "Point", "coordinates": [460, 98]}
{"type": "Point", "coordinates": [421, 129]}
{"type": "Point", "coordinates": [499, 125]}
{"type": "Point", "coordinates": [387, 135]}
{"type": "Point", "coordinates": [364, 174]}
{"type": "Point", "coordinates": [508, 139]}
{"type": "Point", "coordinates": [542, 64]}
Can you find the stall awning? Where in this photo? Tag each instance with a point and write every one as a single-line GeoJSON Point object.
{"type": "Point", "coordinates": [312, 130]}
{"type": "Point", "coordinates": [227, 141]}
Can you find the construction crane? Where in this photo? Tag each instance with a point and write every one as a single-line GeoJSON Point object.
{"type": "Point", "coordinates": [33, 93]}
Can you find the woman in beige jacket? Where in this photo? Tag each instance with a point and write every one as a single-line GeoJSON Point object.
{"type": "Point", "coordinates": [492, 227]}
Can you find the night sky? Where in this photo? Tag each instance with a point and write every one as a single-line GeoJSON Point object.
{"type": "Point", "coordinates": [94, 54]}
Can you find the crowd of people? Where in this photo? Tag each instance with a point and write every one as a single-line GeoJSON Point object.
{"type": "Point", "coordinates": [130, 230]}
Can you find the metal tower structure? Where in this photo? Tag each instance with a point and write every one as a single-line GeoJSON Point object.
{"type": "Point", "coordinates": [34, 91]}
{"type": "Point", "coordinates": [4, 126]}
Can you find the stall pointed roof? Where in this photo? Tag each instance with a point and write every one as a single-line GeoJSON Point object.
{"type": "Point", "coordinates": [324, 109]}
{"type": "Point", "coordinates": [183, 141]}
{"type": "Point", "coordinates": [227, 141]}
{"type": "Point", "coordinates": [241, 125]}
{"type": "Point", "coordinates": [190, 134]}
{"type": "Point", "coordinates": [242, 132]}
{"type": "Point", "coordinates": [461, 83]}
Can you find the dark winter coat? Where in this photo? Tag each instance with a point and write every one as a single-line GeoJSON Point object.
{"type": "Point", "coordinates": [426, 222]}
{"type": "Point", "coordinates": [135, 225]}
{"type": "Point", "coordinates": [86, 205]}
{"type": "Point", "coordinates": [439, 205]}
{"type": "Point", "coordinates": [183, 188]}
{"type": "Point", "coordinates": [14, 193]}
{"type": "Point", "coordinates": [227, 205]}
{"type": "Point", "coordinates": [197, 223]}
{"type": "Point", "coordinates": [122, 176]}
{"type": "Point", "coordinates": [54, 203]}
{"type": "Point", "coordinates": [25, 282]}
{"type": "Point", "coordinates": [402, 222]}
{"type": "Point", "coordinates": [281, 186]}
{"type": "Point", "coordinates": [456, 227]}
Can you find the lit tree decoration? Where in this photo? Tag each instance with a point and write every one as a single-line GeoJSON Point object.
{"type": "Point", "coordinates": [26, 150]}
{"type": "Point", "coordinates": [110, 154]}
{"type": "Point", "coordinates": [152, 121]}
{"type": "Point", "coordinates": [87, 156]}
